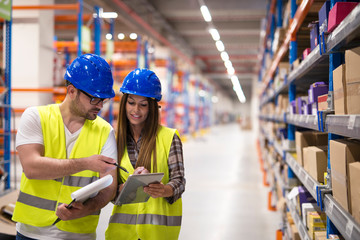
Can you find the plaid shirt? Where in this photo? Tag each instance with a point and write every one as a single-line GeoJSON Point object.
{"type": "Point", "coordinates": [175, 162]}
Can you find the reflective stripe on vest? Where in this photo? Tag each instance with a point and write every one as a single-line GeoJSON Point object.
{"type": "Point", "coordinates": [156, 219]}
{"type": "Point", "coordinates": [146, 219]}
{"type": "Point", "coordinates": [36, 201]}
{"type": "Point", "coordinates": [39, 199]}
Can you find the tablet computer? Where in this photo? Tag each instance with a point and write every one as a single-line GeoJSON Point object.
{"type": "Point", "coordinates": [133, 190]}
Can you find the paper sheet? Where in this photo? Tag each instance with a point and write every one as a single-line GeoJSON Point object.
{"type": "Point", "coordinates": [92, 189]}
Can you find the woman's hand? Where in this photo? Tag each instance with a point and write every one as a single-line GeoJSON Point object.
{"type": "Point", "coordinates": [141, 170]}
{"type": "Point", "coordinates": [156, 190]}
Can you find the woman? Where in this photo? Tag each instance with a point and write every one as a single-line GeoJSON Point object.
{"type": "Point", "coordinates": [146, 146]}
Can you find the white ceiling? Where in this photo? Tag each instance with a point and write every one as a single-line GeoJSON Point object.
{"type": "Point", "coordinates": [180, 22]}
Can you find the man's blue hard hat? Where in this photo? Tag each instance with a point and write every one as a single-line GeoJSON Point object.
{"type": "Point", "coordinates": [143, 82]}
{"type": "Point", "coordinates": [92, 74]}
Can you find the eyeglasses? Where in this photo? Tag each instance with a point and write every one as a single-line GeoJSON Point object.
{"type": "Point", "coordinates": [95, 100]}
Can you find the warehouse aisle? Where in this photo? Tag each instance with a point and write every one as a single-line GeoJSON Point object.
{"type": "Point", "coordinates": [224, 197]}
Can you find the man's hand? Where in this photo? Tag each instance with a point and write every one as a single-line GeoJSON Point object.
{"type": "Point", "coordinates": [77, 210]}
{"type": "Point", "coordinates": [100, 163]}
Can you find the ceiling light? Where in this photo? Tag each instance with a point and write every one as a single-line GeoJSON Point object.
{"type": "Point", "coordinates": [228, 64]}
{"type": "Point", "coordinates": [215, 34]}
{"type": "Point", "coordinates": [108, 36]}
{"type": "Point", "coordinates": [206, 13]}
{"type": "Point", "coordinates": [133, 36]}
{"type": "Point", "coordinates": [103, 14]}
{"type": "Point", "coordinates": [224, 56]}
{"type": "Point", "coordinates": [231, 70]}
{"type": "Point", "coordinates": [220, 46]}
{"type": "Point", "coordinates": [202, 93]}
{"type": "Point", "coordinates": [121, 36]}
{"type": "Point", "coordinates": [214, 99]}
{"type": "Point", "coordinates": [109, 15]}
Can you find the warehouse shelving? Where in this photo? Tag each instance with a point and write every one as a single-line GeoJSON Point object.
{"type": "Point", "coordinates": [317, 66]}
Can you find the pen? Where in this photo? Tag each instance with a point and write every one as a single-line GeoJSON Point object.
{"type": "Point", "coordinates": [68, 207]}
{"type": "Point", "coordinates": [120, 167]}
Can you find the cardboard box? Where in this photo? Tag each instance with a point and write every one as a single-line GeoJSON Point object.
{"type": "Point", "coordinates": [314, 35]}
{"type": "Point", "coordinates": [353, 97]}
{"type": "Point", "coordinates": [308, 207]}
{"type": "Point", "coordinates": [323, 17]}
{"type": "Point", "coordinates": [306, 52]}
{"type": "Point", "coordinates": [320, 235]}
{"type": "Point", "coordinates": [339, 84]}
{"type": "Point", "coordinates": [352, 70]}
{"type": "Point", "coordinates": [354, 172]}
{"type": "Point", "coordinates": [342, 153]}
{"type": "Point", "coordinates": [306, 139]}
{"type": "Point", "coordinates": [322, 102]}
{"type": "Point", "coordinates": [315, 161]}
{"type": "Point", "coordinates": [338, 12]}
{"type": "Point", "coordinates": [317, 89]}
{"type": "Point", "coordinates": [303, 197]}
{"type": "Point", "coordinates": [294, 232]}
{"type": "Point", "coordinates": [316, 219]}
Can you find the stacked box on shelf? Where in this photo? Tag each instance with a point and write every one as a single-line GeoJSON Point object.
{"type": "Point", "coordinates": [338, 13]}
{"type": "Point", "coordinates": [339, 85]}
{"type": "Point", "coordinates": [308, 138]}
{"type": "Point", "coordinates": [352, 76]}
{"type": "Point", "coordinates": [342, 153]}
{"type": "Point", "coordinates": [316, 89]}
{"type": "Point", "coordinates": [316, 222]}
{"type": "Point", "coordinates": [315, 161]}
{"type": "Point", "coordinates": [354, 172]}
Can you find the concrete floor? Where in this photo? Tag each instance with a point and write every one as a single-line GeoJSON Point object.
{"type": "Point", "coordinates": [224, 197]}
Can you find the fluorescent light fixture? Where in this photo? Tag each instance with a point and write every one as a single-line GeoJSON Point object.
{"type": "Point", "coordinates": [121, 36]}
{"type": "Point", "coordinates": [220, 46]}
{"type": "Point", "coordinates": [109, 15]}
{"type": "Point", "coordinates": [231, 70]}
{"type": "Point", "coordinates": [202, 93]}
{"type": "Point", "coordinates": [206, 13]}
{"type": "Point", "coordinates": [224, 56]}
{"type": "Point", "coordinates": [214, 99]}
{"type": "Point", "coordinates": [151, 50]}
{"type": "Point", "coordinates": [228, 64]}
{"type": "Point", "coordinates": [108, 36]}
{"type": "Point", "coordinates": [214, 34]}
{"type": "Point", "coordinates": [133, 36]}
{"type": "Point", "coordinates": [103, 14]}
{"type": "Point", "coordinates": [237, 88]}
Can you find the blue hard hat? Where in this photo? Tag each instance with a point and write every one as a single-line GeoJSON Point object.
{"type": "Point", "coordinates": [92, 74]}
{"type": "Point", "coordinates": [143, 82]}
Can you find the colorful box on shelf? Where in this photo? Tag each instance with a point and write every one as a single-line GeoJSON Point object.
{"type": "Point", "coordinates": [323, 17]}
{"type": "Point", "coordinates": [300, 102]}
{"type": "Point", "coordinates": [309, 207]}
{"type": "Point", "coordinates": [316, 89]}
{"type": "Point", "coordinates": [292, 107]}
{"type": "Point", "coordinates": [307, 109]}
{"type": "Point", "coordinates": [306, 52]}
{"type": "Point", "coordinates": [303, 197]}
{"type": "Point", "coordinates": [339, 11]}
{"type": "Point", "coordinates": [314, 34]}
{"type": "Point", "coordinates": [322, 104]}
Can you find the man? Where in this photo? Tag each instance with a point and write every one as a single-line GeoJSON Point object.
{"type": "Point", "coordinates": [63, 147]}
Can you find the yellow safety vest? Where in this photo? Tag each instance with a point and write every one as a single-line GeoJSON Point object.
{"type": "Point", "coordinates": [156, 219]}
{"type": "Point", "coordinates": [39, 199]}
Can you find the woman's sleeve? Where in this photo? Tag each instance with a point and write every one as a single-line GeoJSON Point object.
{"type": "Point", "coordinates": [176, 169]}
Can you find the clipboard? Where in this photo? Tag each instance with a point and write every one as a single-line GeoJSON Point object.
{"type": "Point", "coordinates": [133, 191]}
{"type": "Point", "coordinates": [89, 191]}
